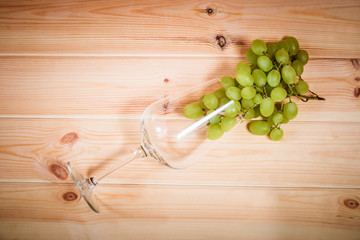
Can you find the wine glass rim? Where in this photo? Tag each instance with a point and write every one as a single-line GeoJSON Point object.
{"type": "Point", "coordinates": [178, 93]}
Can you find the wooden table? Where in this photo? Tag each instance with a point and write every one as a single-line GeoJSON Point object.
{"type": "Point", "coordinates": [75, 77]}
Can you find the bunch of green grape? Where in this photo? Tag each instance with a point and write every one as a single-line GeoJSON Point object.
{"type": "Point", "coordinates": [262, 88]}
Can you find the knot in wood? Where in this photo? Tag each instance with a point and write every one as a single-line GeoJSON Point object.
{"type": "Point", "coordinates": [166, 80]}
{"type": "Point", "coordinates": [59, 171]}
{"type": "Point", "coordinates": [351, 203]}
{"type": "Point", "coordinates": [210, 11]}
{"type": "Point", "coordinates": [69, 138]}
{"type": "Point", "coordinates": [70, 196]}
{"type": "Point", "coordinates": [355, 63]}
{"type": "Point", "coordinates": [166, 105]}
{"type": "Point", "coordinates": [221, 41]}
{"type": "Point", "coordinates": [357, 92]}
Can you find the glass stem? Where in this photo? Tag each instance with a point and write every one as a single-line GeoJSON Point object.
{"type": "Point", "coordinates": [138, 153]}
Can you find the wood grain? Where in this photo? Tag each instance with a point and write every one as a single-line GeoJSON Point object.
{"type": "Point", "coordinates": [311, 154]}
{"type": "Point", "coordinates": [177, 27]}
{"type": "Point", "coordinates": [126, 86]}
{"type": "Point", "coordinates": [174, 229]}
{"type": "Point", "coordinates": [278, 211]}
{"type": "Point", "coordinates": [75, 77]}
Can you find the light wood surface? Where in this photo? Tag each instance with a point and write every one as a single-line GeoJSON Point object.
{"type": "Point", "coordinates": [75, 77]}
{"type": "Point", "coordinates": [325, 153]}
{"type": "Point", "coordinates": [325, 28]}
{"type": "Point", "coordinates": [116, 85]}
{"type": "Point", "coordinates": [154, 211]}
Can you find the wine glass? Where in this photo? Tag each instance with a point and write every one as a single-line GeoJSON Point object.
{"type": "Point", "coordinates": [166, 136]}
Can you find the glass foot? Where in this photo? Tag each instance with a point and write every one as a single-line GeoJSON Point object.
{"type": "Point", "coordinates": [85, 186]}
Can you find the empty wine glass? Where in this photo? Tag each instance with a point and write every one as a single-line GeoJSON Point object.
{"type": "Point", "coordinates": [166, 136]}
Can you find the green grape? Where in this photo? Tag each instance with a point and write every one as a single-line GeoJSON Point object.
{"type": "Point", "coordinates": [243, 66]}
{"type": "Point", "coordinates": [210, 101]}
{"type": "Point", "coordinates": [256, 111]}
{"type": "Point", "coordinates": [247, 103]}
{"type": "Point", "coordinates": [259, 127]}
{"type": "Point", "coordinates": [233, 109]}
{"type": "Point", "coordinates": [302, 87]}
{"type": "Point", "coordinates": [302, 56]}
{"type": "Point", "coordinates": [283, 45]}
{"type": "Point", "coordinates": [267, 107]}
{"type": "Point", "coordinates": [223, 101]}
{"type": "Point", "coordinates": [245, 79]}
{"type": "Point", "coordinates": [214, 132]}
{"type": "Point", "coordinates": [264, 63]}
{"type": "Point", "coordinates": [259, 77]}
{"type": "Point", "coordinates": [293, 45]}
{"type": "Point", "coordinates": [227, 123]}
{"type": "Point", "coordinates": [285, 120]}
{"type": "Point", "coordinates": [271, 49]}
{"type": "Point", "coordinates": [282, 56]}
{"type": "Point", "coordinates": [227, 82]}
{"type": "Point", "coordinates": [248, 92]}
{"type": "Point", "coordinates": [288, 74]}
{"type": "Point", "coordinates": [251, 57]}
{"type": "Point", "coordinates": [215, 119]}
{"type": "Point", "coordinates": [258, 98]}
{"type": "Point", "coordinates": [258, 47]}
{"type": "Point", "coordinates": [273, 78]}
{"type": "Point", "coordinates": [249, 114]}
{"type": "Point", "coordinates": [290, 110]}
{"type": "Point", "coordinates": [278, 117]}
{"type": "Point", "coordinates": [220, 93]}
{"type": "Point", "coordinates": [298, 67]}
{"type": "Point", "coordinates": [276, 134]}
{"type": "Point", "coordinates": [278, 94]}
{"type": "Point", "coordinates": [237, 105]}
{"type": "Point", "coordinates": [193, 111]}
{"type": "Point", "coordinates": [233, 93]}
{"type": "Point", "coordinates": [201, 102]}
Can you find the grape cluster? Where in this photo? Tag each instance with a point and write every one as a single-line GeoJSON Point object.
{"type": "Point", "coordinates": [259, 89]}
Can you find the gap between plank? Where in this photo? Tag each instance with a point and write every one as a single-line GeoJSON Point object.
{"type": "Point", "coordinates": [119, 117]}
{"type": "Point", "coordinates": [143, 55]}
{"type": "Point", "coordinates": [109, 116]}
{"type": "Point", "coordinates": [187, 185]}
{"type": "Point", "coordinates": [114, 55]}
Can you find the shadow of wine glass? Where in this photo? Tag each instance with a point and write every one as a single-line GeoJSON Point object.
{"type": "Point", "coordinates": [127, 141]}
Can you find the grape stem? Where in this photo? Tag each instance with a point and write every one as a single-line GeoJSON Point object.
{"type": "Point", "coordinates": [307, 98]}
{"type": "Point", "coordinates": [264, 90]}
{"type": "Point", "coordinates": [317, 96]}
{"type": "Point", "coordinates": [291, 90]}
{"type": "Point", "coordinates": [244, 113]}
{"type": "Point", "coordinates": [275, 126]}
{"type": "Point", "coordinates": [260, 90]}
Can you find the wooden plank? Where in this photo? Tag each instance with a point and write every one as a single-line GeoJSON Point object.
{"type": "Point", "coordinates": [311, 154]}
{"type": "Point", "coordinates": [76, 76]}
{"type": "Point", "coordinates": [170, 229]}
{"type": "Point", "coordinates": [177, 27]}
{"type": "Point", "coordinates": [126, 86]}
{"type": "Point", "coordinates": [177, 212]}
